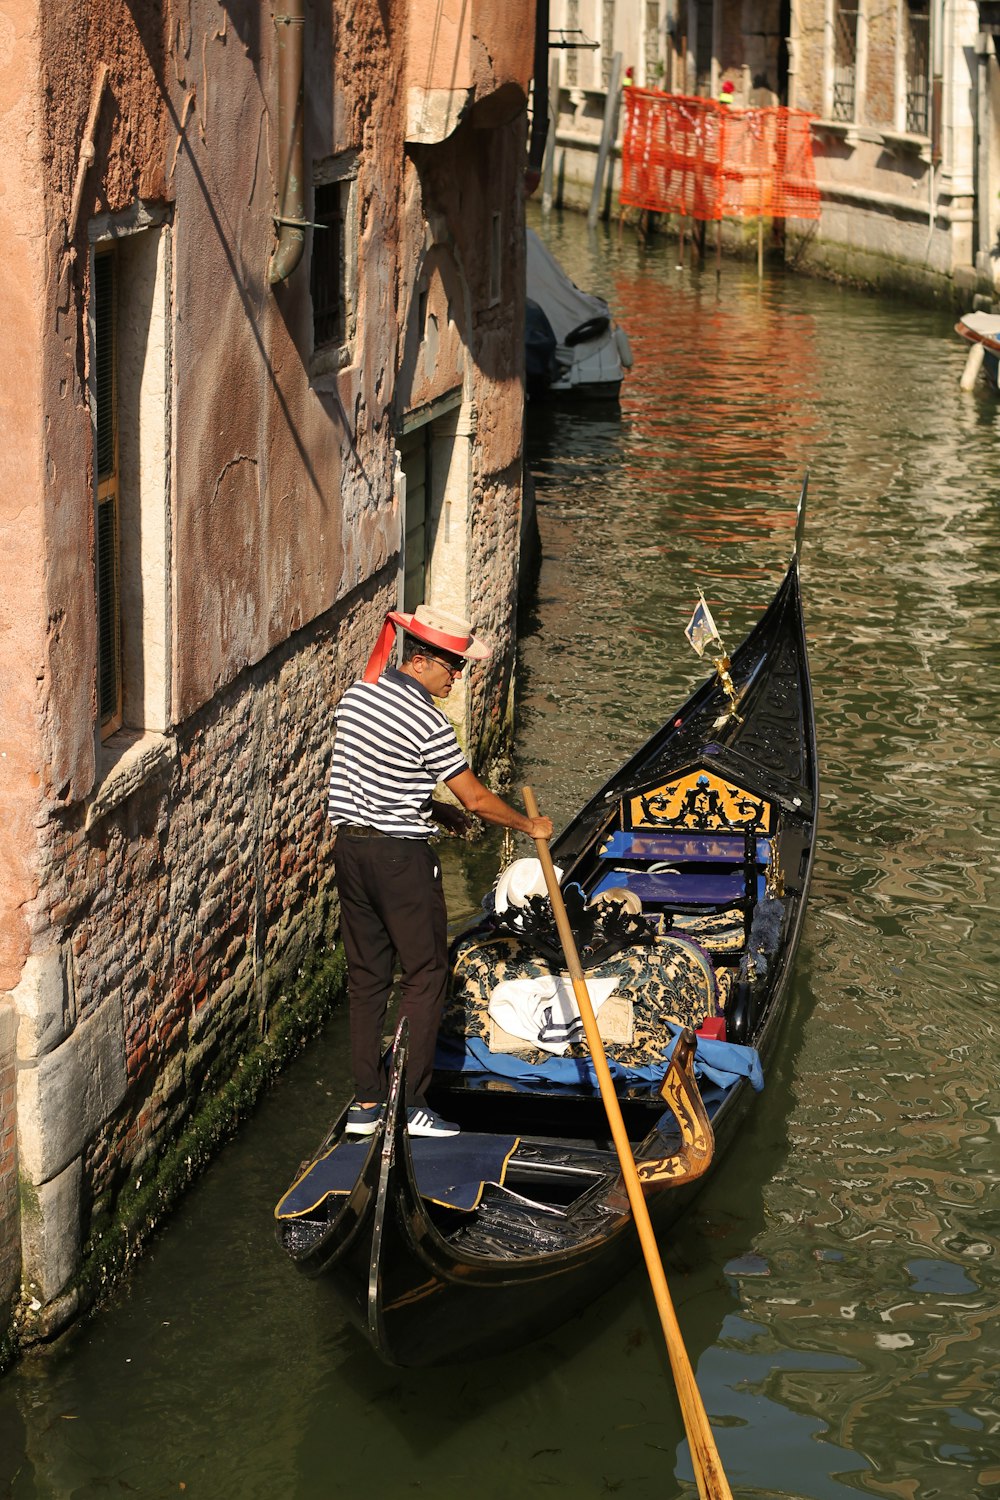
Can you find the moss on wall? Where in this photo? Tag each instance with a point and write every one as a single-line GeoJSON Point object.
{"type": "Point", "coordinates": [123, 1228]}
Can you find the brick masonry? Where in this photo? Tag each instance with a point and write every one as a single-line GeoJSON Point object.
{"type": "Point", "coordinates": [181, 913]}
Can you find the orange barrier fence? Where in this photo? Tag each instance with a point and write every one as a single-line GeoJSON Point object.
{"type": "Point", "coordinates": [709, 161]}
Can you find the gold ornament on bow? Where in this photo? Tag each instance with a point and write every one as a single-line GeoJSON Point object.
{"type": "Point", "coordinates": [703, 634]}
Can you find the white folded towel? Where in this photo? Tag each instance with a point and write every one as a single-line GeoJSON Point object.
{"type": "Point", "coordinates": [544, 1011]}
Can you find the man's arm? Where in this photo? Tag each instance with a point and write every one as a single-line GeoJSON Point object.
{"type": "Point", "coordinates": [478, 799]}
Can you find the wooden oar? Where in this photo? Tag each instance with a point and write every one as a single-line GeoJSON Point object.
{"type": "Point", "coordinates": [708, 1472]}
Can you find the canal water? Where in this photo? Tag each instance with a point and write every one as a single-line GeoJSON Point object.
{"type": "Point", "coordinates": [837, 1281]}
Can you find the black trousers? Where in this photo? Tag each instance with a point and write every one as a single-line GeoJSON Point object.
{"type": "Point", "coordinates": [392, 905]}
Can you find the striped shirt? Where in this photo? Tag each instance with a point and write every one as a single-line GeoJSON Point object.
{"type": "Point", "coordinates": [392, 747]}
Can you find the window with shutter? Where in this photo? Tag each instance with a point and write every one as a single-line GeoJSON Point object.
{"type": "Point", "coordinates": [128, 326]}
{"type": "Point", "coordinates": [108, 540]}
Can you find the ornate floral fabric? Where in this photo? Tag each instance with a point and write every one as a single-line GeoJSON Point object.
{"type": "Point", "coordinates": [671, 979]}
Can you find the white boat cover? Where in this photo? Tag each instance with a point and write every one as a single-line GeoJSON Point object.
{"type": "Point", "coordinates": [985, 326]}
{"type": "Point", "coordinates": [563, 303]}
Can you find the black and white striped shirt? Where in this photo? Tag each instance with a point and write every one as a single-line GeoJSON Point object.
{"type": "Point", "coordinates": [392, 747]}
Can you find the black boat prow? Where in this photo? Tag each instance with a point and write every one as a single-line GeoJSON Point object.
{"type": "Point", "coordinates": [686, 876]}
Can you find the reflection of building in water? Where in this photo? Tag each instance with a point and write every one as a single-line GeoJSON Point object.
{"type": "Point", "coordinates": [873, 1232]}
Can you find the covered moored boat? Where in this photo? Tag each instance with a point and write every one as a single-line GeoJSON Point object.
{"type": "Point", "coordinates": [573, 343]}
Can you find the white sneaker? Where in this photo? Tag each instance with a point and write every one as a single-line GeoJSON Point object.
{"type": "Point", "coordinates": [423, 1121]}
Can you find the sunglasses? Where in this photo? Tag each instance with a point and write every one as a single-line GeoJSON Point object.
{"type": "Point", "coordinates": [453, 664]}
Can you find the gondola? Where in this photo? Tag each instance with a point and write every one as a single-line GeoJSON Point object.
{"type": "Point", "coordinates": [685, 879]}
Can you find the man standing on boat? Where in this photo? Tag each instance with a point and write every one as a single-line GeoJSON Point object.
{"type": "Point", "coordinates": [392, 747]}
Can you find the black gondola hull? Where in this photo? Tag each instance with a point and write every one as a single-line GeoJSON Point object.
{"type": "Point", "coordinates": [423, 1289]}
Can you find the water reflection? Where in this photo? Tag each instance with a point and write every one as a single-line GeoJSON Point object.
{"type": "Point", "coordinates": [837, 1282]}
{"type": "Point", "coordinates": [893, 1148]}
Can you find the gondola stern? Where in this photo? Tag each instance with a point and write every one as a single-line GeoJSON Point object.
{"type": "Point", "coordinates": [693, 1157]}
{"type": "Point", "coordinates": [395, 1146]}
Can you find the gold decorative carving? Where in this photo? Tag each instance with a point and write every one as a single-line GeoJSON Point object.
{"type": "Point", "coordinates": [700, 800]}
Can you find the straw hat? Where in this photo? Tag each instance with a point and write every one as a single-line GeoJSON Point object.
{"type": "Point", "coordinates": [436, 627]}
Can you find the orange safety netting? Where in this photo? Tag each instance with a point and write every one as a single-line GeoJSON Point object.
{"type": "Point", "coordinates": [696, 157]}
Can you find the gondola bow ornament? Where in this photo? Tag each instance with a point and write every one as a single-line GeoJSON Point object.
{"type": "Point", "coordinates": [703, 634]}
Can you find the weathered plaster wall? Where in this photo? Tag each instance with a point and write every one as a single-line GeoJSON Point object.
{"type": "Point", "coordinates": [458, 186]}
{"type": "Point", "coordinates": [283, 490]}
{"type": "Point", "coordinates": [130, 141]}
{"type": "Point", "coordinates": [461, 56]}
{"type": "Point", "coordinates": [10, 1257]}
{"type": "Point", "coordinates": [25, 624]}
{"type": "Point", "coordinates": [165, 914]}
{"type": "Point", "coordinates": [171, 880]}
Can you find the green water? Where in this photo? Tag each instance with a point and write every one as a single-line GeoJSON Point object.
{"type": "Point", "coordinates": [837, 1282]}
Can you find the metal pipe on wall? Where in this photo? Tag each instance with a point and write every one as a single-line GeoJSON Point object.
{"type": "Point", "coordinates": [984, 48]}
{"type": "Point", "coordinates": [540, 96]}
{"type": "Point", "coordinates": [290, 220]}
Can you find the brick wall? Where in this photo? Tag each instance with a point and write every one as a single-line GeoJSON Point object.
{"type": "Point", "coordinates": [179, 914]}
{"type": "Point", "coordinates": [879, 104]}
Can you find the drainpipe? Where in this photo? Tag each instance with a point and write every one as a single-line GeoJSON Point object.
{"type": "Point", "coordinates": [934, 122]}
{"type": "Point", "coordinates": [937, 80]}
{"type": "Point", "coordinates": [540, 96]}
{"type": "Point", "coordinates": [984, 49]}
{"type": "Point", "coordinates": [290, 220]}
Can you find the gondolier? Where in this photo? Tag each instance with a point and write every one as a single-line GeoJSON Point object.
{"type": "Point", "coordinates": [393, 745]}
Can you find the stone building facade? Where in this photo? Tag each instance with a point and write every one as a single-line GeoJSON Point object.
{"type": "Point", "coordinates": [263, 275]}
{"type": "Point", "coordinates": [905, 102]}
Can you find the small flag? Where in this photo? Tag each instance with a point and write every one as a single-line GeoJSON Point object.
{"type": "Point", "coordinates": [701, 629]}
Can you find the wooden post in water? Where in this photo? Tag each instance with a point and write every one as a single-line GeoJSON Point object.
{"type": "Point", "coordinates": [607, 133]}
{"type": "Point", "coordinates": [548, 161]}
{"type": "Point", "coordinates": [973, 365]}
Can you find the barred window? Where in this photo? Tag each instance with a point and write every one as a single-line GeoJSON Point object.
{"type": "Point", "coordinates": [918, 43]}
{"type": "Point", "coordinates": [845, 59]}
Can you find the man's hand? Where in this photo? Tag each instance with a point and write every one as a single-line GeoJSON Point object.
{"type": "Point", "coordinates": [451, 818]}
{"type": "Point", "coordinates": [541, 828]}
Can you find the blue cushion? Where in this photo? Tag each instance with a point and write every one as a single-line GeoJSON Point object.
{"type": "Point", "coordinates": [640, 843]}
{"type": "Point", "coordinates": [666, 888]}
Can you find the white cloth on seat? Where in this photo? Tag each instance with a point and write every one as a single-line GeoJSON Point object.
{"type": "Point", "coordinates": [544, 1011]}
